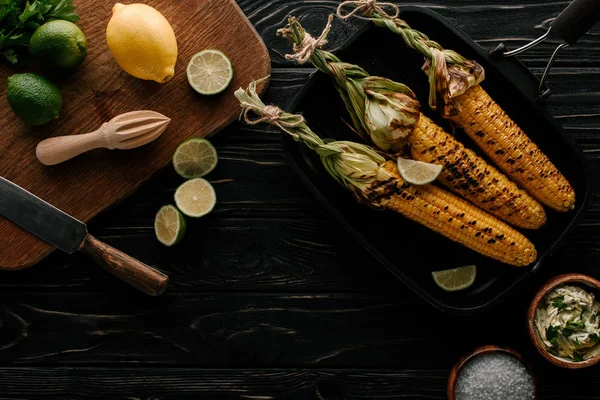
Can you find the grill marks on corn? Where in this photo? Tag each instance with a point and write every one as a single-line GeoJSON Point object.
{"type": "Point", "coordinates": [384, 190]}
{"type": "Point", "coordinates": [512, 150]}
{"type": "Point", "coordinates": [454, 218]}
{"type": "Point", "coordinates": [473, 178]}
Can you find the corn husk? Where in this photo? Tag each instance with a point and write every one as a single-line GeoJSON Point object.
{"type": "Point", "coordinates": [449, 73]}
{"type": "Point", "coordinates": [355, 166]}
{"type": "Point", "coordinates": [381, 110]}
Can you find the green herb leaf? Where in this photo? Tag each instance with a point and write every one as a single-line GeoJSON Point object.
{"type": "Point", "coordinates": [567, 332]}
{"type": "Point", "coordinates": [62, 9]}
{"type": "Point", "coordinates": [595, 338]}
{"type": "Point", "coordinates": [10, 56]}
{"type": "Point", "coordinates": [576, 325]}
{"type": "Point", "coordinates": [552, 334]}
{"type": "Point", "coordinates": [559, 303]}
{"type": "Point", "coordinates": [19, 19]}
{"type": "Point", "coordinates": [577, 356]}
{"type": "Point", "coordinates": [577, 342]}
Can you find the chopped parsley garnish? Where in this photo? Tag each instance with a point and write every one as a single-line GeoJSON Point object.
{"type": "Point", "coordinates": [552, 334]}
{"type": "Point", "coordinates": [577, 342]}
{"type": "Point", "coordinates": [595, 338]}
{"type": "Point", "coordinates": [567, 332]}
{"type": "Point", "coordinates": [559, 303]}
{"type": "Point", "coordinates": [576, 325]}
{"type": "Point", "coordinates": [577, 356]}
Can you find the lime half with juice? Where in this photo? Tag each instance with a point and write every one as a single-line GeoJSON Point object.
{"type": "Point", "coordinates": [195, 158]}
{"type": "Point", "coordinates": [453, 280]}
{"type": "Point", "coordinates": [418, 172]}
{"type": "Point", "coordinates": [169, 225]}
{"type": "Point", "coordinates": [209, 72]}
{"type": "Point", "coordinates": [195, 198]}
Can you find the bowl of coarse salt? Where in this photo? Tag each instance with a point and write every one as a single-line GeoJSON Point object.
{"type": "Point", "coordinates": [492, 373]}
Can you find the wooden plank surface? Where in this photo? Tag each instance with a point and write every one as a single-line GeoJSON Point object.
{"type": "Point", "coordinates": [99, 90]}
{"type": "Point", "coordinates": [269, 299]}
{"type": "Point", "coordinates": [254, 384]}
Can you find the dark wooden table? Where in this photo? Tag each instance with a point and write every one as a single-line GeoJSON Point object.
{"type": "Point", "coordinates": [269, 298]}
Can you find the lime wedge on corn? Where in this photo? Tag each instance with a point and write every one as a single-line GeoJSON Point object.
{"type": "Point", "coordinates": [195, 158]}
{"type": "Point", "coordinates": [452, 280]}
{"type": "Point", "coordinates": [209, 72]}
{"type": "Point", "coordinates": [169, 225]}
{"type": "Point", "coordinates": [418, 172]}
{"type": "Point", "coordinates": [195, 198]}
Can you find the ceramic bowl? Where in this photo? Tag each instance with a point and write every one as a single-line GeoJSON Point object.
{"type": "Point", "coordinates": [481, 351]}
{"type": "Point", "coordinates": [578, 279]}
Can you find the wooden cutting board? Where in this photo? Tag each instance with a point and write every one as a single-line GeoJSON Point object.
{"type": "Point", "coordinates": [99, 90]}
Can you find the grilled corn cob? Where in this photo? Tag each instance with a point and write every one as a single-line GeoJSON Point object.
{"type": "Point", "coordinates": [465, 173]}
{"type": "Point", "coordinates": [512, 151]}
{"type": "Point", "coordinates": [457, 220]}
{"type": "Point", "coordinates": [474, 179]}
{"type": "Point", "coordinates": [455, 93]}
{"type": "Point", "coordinates": [376, 182]}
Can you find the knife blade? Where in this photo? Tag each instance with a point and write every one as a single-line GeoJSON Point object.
{"type": "Point", "coordinates": [70, 235]}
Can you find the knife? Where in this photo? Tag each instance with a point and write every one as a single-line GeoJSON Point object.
{"type": "Point", "coordinates": [70, 235]}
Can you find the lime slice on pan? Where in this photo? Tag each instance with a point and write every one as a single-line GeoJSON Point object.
{"type": "Point", "coordinates": [418, 172]}
{"type": "Point", "coordinates": [452, 280]}
{"type": "Point", "coordinates": [195, 158]}
{"type": "Point", "coordinates": [209, 72]}
{"type": "Point", "coordinates": [169, 225]}
{"type": "Point", "coordinates": [195, 198]}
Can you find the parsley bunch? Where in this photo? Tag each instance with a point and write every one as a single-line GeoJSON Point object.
{"type": "Point", "coordinates": [19, 19]}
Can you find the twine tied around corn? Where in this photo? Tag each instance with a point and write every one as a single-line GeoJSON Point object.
{"type": "Point", "coordinates": [382, 111]}
{"type": "Point", "coordinates": [450, 74]}
{"type": "Point", "coordinates": [292, 124]}
{"type": "Point", "coordinates": [367, 8]}
{"type": "Point", "coordinates": [270, 115]}
{"type": "Point", "coordinates": [354, 165]}
{"type": "Point", "coordinates": [306, 48]}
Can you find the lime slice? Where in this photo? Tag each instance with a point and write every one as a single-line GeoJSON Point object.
{"type": "Point", "coordinates": [418, 172]}
{"type": "Point", "coordinates": [209, 72]}
{"type": "Point", "coordinates": [195, 198]}
{"type": "Point", "coordinates": [195, 158]}
{"type": "Point", "coordinates": [452, 280]}
{"type": "Point", "coordinates": [169, 225]}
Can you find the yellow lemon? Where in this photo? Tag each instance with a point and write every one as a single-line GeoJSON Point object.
{"type": "Point", "coordinates": [142, 42]}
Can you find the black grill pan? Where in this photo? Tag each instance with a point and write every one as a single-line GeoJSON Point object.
{"type": "Point", "coordinates": [407, 249]}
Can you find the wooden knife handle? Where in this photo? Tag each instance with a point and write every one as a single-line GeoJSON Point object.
{"type": "Point", "coordinates": [62, 148]}
{"type": "Point", "coordinates": [125, 267]}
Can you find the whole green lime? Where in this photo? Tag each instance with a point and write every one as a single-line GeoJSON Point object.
{"type": "Point", "coordinates": [59, 45]}
{"type": "Point", "coordinates": [33, 98]}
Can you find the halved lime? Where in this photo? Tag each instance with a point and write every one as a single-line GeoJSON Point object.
{"type": "Point", "coordinates": [452, 280]}
{"type": "Point", "coordinates": [169, 225]}
{"type": "Point", "coordinates": [195, 198]}
{"type": "Point", "coordinates": [195, 158]}
{"type": "Point", "coordinates": [209, 72]}
{"type": "Point", "coordinates": [418, 172]}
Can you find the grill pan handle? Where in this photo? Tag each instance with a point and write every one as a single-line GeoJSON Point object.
{"type": "Point", "coordinates": [575, 20]}
{"type": "Point", "coordinates": [570, 25]}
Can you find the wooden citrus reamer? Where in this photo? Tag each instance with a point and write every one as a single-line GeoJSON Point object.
{"type": "Point", "coordinates": [125, 131]}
